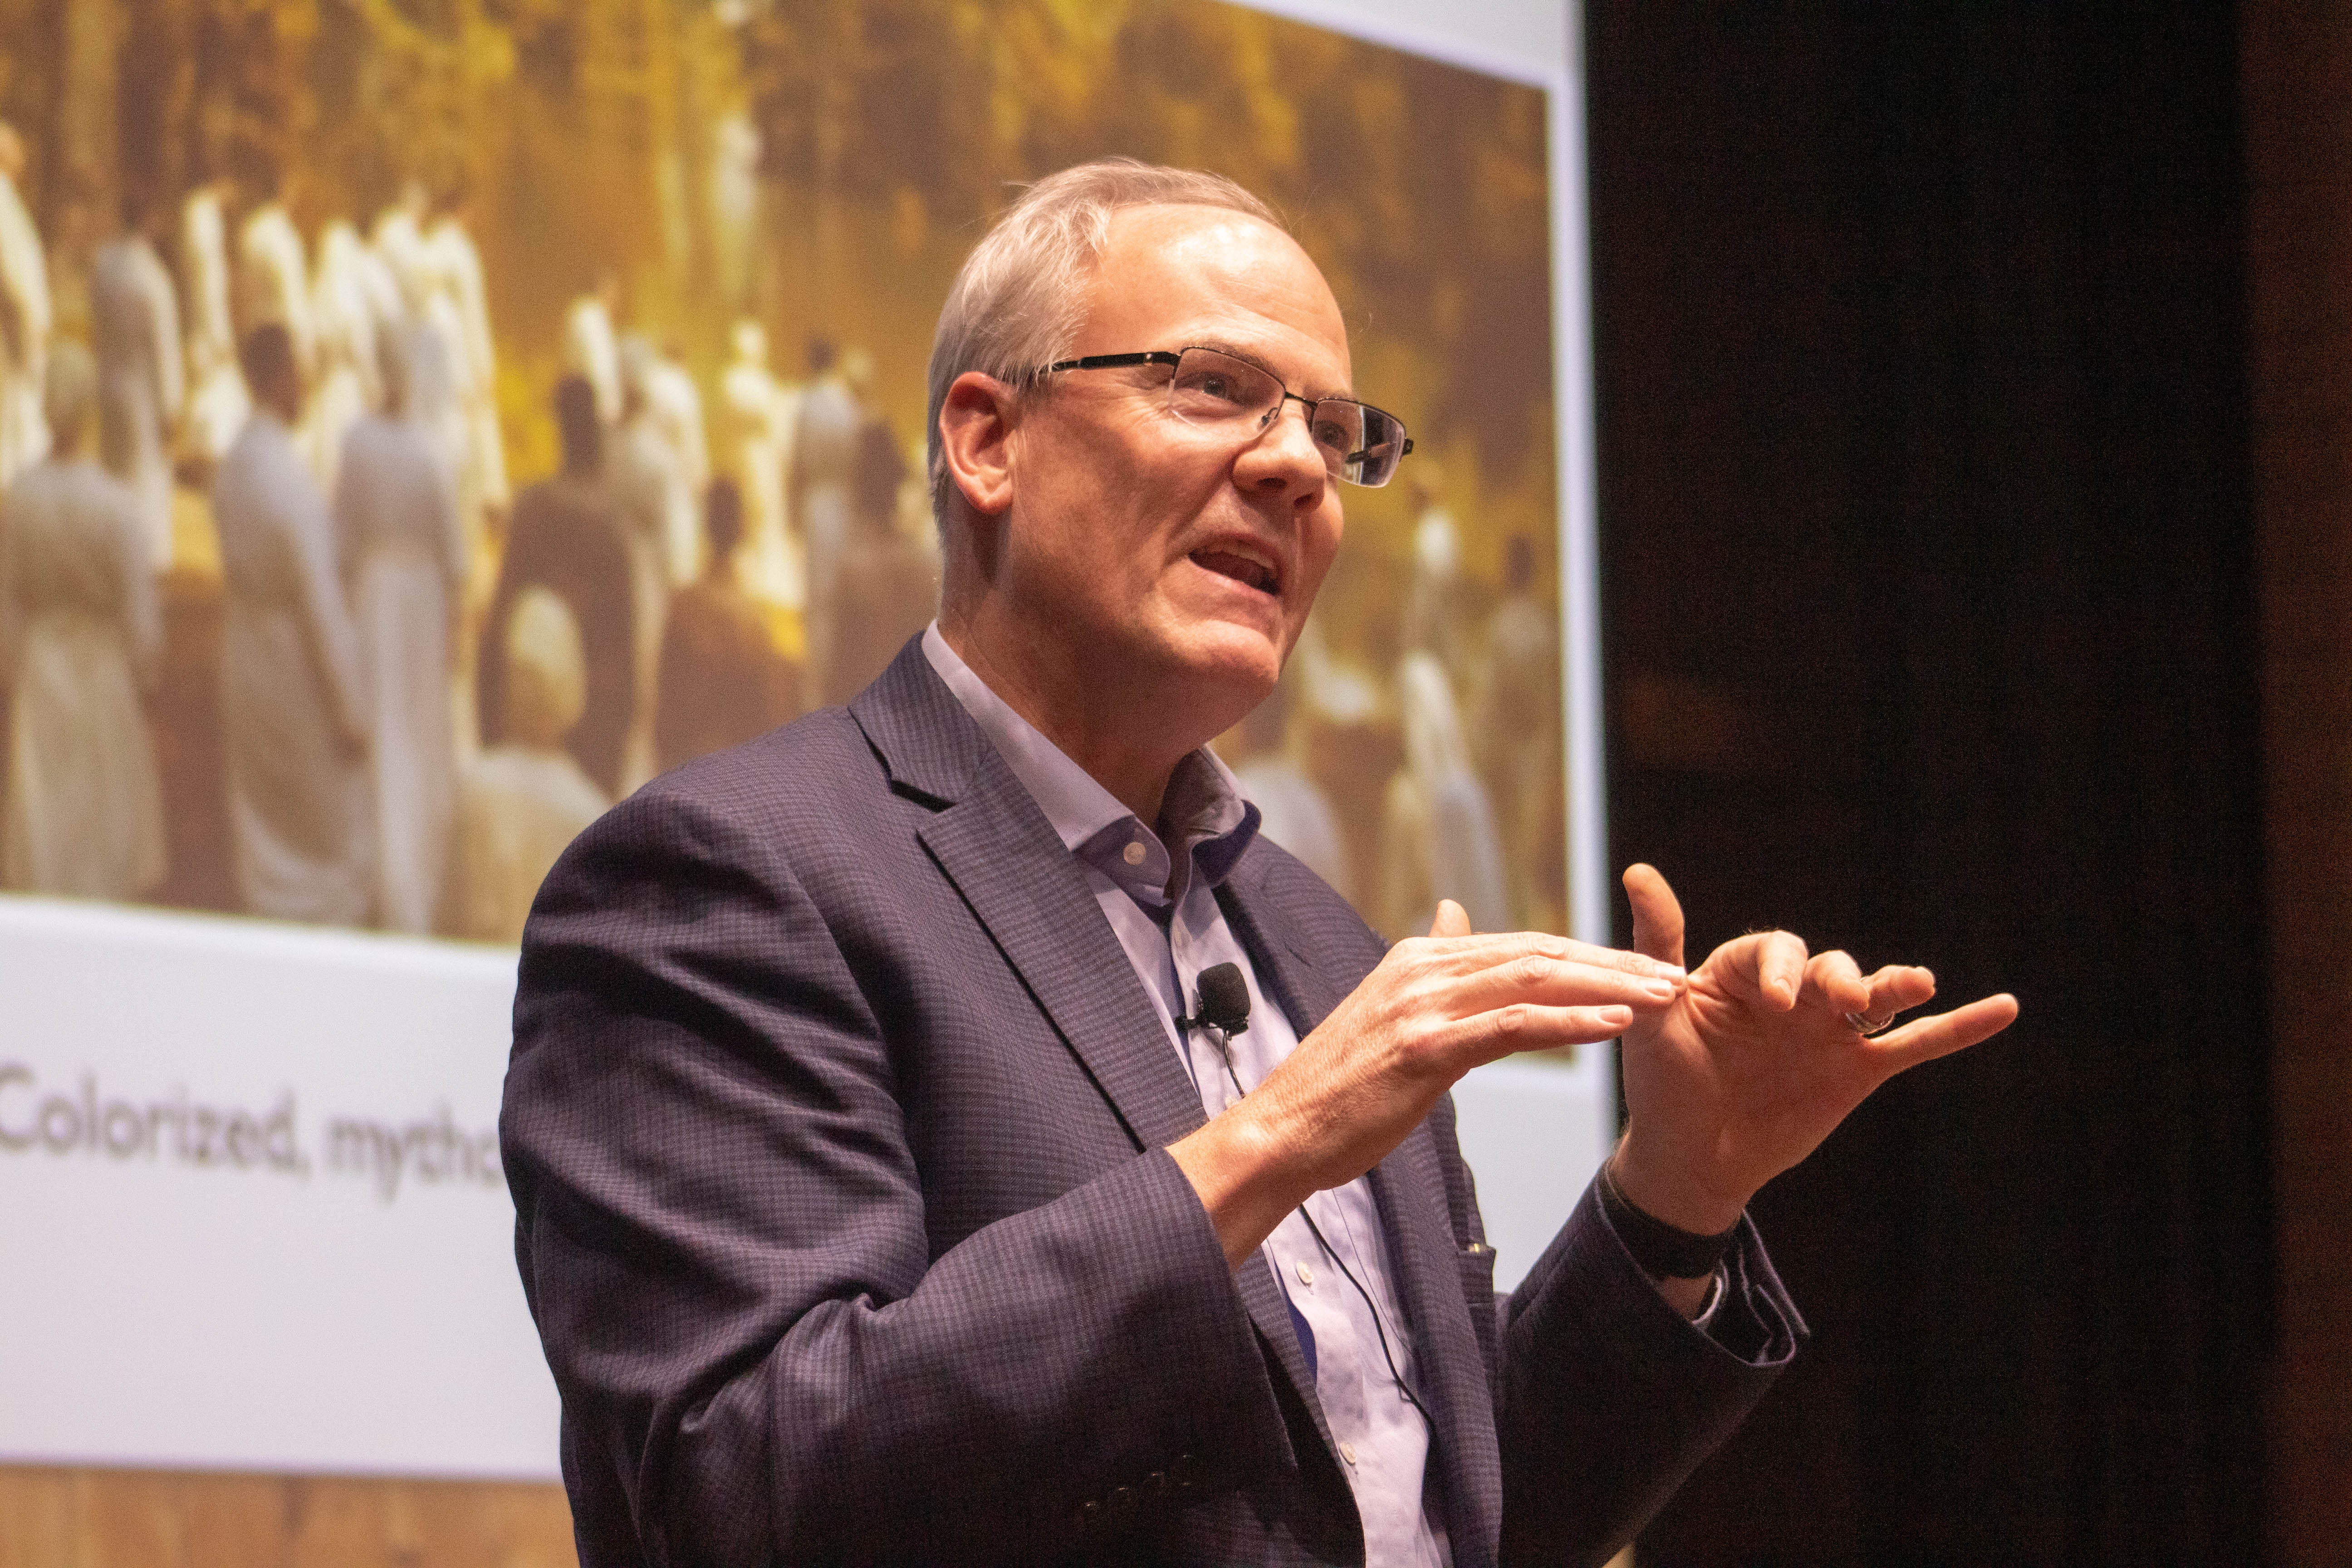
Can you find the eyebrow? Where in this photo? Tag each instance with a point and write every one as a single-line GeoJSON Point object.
{"type": "Point", "coordinates": [1250, 356]}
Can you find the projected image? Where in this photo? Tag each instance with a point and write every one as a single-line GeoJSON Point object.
{"type": "Point", "coordinates": [424, 421]}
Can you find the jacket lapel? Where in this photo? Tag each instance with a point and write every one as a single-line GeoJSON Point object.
{"type": "Point", "coordinates": [1409, 1189]}
{"type": "Point", "coordinates": [994, 844]}
{"type": "Point", "coordinates": [992, 841]}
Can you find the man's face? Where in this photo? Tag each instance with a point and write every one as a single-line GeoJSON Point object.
{"type": "Point", "coordinates": [1180, 554]}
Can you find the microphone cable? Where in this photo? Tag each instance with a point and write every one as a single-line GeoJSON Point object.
{"type": "Point", "coordinates": [1224, 1025]}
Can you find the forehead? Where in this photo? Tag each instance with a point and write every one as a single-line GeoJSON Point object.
{"type": "Point", "coordinates": [1173, 276]}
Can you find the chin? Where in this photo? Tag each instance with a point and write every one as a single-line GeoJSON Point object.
{"type": "Point", "coordinates": [1240, 664]}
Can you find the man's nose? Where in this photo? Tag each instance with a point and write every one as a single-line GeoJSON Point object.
{"type": "Point", "coordinates": [1285, 451]}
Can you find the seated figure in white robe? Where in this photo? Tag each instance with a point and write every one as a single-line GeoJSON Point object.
{"type": "Point", "coordinates": [80, 809]}
{"type": "Point", "coordinates": [403, 551]}
{"type": "Point", "coordinates": [525, 799]}
{"type": "Point", "coordinates": [295, 717]}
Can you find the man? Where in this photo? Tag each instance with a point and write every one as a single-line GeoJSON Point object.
{"type": "Point", "coordinates": [673, 404]}
{"type": "Point", "coordinates": [403, 552]}
{"type": "Point", "coordinates": [525, 798]}
{"type": "Point", "coordinates": [645, 478]}
{"type": "Point", "coordinates": [758, 415]}
{"type": "Point", "coordinates": [871, 1205]}
{"type": "Point", "coordinates": [217, 403]}
{"type": "Point", "coordinates": [887, 584]}
{"type": "Point", "coordinates": [455, 264]}
{"type": "Point", "coordinates": [272, 277]}
{"type": "Point", "coordinates": [818, 499]}
{"type": "Point", "coordinates": [25, 319]}
{"type": "Point", "coordinates": [135, 318]}
{"type": "Point", "coordinates": [81, 633]}
{"type": "Point", "coordinates": [567, 535]}
{"type": "Point", "coordinates": [591, 344]}
{"type": "Point", "coordinates": [1516, 732]}
{"type": "Point", "coordinates": [295, 715]}
{"type": "Point", "coordinates": [722, 678]}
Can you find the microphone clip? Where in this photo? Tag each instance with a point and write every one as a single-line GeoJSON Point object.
{"type": "Point", "coordinates": [1223, 1005]}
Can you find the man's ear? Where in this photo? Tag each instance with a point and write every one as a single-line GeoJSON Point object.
{"type": "Point", "coordinates": [976, 425]}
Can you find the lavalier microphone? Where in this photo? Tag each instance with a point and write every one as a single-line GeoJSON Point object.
{"type": "Point", "coordinates": [1224, 1004]}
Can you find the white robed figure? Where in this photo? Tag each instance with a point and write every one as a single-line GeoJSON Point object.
{"type": "Point", "coordinates": [758, 415]}
{"type": "Point", "coordinates": [273, 283]}
{"type": "Point", "coordinates": [80, 810]}
{"type": "Point", "coordinates": [403, 557]}
{"type": "Point", "coordinates": [675, 406]}
{"type": "Point", "coordinates": [293, 698]}
{"type": "Point", "coordinates": [136, 322]}
{"type": "Point", "coordinates": [437, 351]}
{"type": "Point", "coordinates": [350, 381]}
{"type": "Point", "coordinates": [456, 267]}
{"type": "Point", "coordinates": [24, 320]}
{"type": "Point", "coordinates": [591, 346]}
{"type": "Point", "coordinates": [646, 479]}
{"type": "Point", "coordinates": [823, 464]}
{"type": "Point", "coordinates": [398, 241]}
{"type": "Point", "coordinates": [1438, 838]}
{"type": "Point", "coordinates": [218, 405]}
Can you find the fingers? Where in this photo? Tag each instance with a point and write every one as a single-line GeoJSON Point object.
{"type": "Point", "coordinates": [1485, 1036]}
{"type": "Point", "coordinates": [1941, 1036]}
{"type": "Point", "coordinates": [1463, 954]}
{"type": "Point", "coordinates": [1835, 981]}
{"type": "Point", "coordinates": [1540, 979]}
{"type": "Point", "coordinates": [1452, 920]}
{"type": "Point", "coordinates": [1769, 965]}
{"type": "Point", "coordinates": [1657, 915]}
{"type": "Point", "coordinates": [1897, 988]}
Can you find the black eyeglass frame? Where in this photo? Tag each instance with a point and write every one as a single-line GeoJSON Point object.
{"type": "Point", "coordinates": [1172, 359]}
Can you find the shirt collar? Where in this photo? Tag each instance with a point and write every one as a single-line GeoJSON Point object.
{"type": "Point", "coordinates": [1204, 805]}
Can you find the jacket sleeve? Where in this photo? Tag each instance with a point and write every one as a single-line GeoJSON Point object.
{"type": "Point", "coordinates": [1608, 1398]}
{"type": "Point", "coordinates": [720, 1231]}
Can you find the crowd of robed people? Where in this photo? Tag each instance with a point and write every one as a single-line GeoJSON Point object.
{"type": "Point", "coordinates": [426, 686]}
{"type": "Point", "coordinates": [428, 683]}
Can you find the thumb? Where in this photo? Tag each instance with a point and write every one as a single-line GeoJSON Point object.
{"type": "Point", "coordinates": [1452, 920]}
{"type": "Point", "coordinates": [1657, 915]}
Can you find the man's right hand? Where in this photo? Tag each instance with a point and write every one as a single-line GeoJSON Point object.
{"type": "Point", "coordinates": [1436, 1006]}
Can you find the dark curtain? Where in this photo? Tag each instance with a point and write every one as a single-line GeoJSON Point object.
{"type": "Point", "coordinates": [1929, 623]}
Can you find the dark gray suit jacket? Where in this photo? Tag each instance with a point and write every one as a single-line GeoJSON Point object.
{"type": "Point", "coordinates": [836, 1128]}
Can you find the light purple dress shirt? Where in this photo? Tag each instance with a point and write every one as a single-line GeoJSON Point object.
{"type": "Point", "coordinates": [1141, 888]}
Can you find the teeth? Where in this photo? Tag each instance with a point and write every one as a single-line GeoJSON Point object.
{"type": "Point", "coordinates": [1249, 569]}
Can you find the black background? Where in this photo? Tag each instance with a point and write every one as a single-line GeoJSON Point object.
{"type": "Point", "coordinates": [1920, 348]}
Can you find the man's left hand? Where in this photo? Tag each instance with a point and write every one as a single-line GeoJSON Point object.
{"type": "Point", "coordinates": [1755, 1062]}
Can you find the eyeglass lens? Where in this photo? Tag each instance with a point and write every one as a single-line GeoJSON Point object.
{"type": "Point", "coordinates": [1359, 444]}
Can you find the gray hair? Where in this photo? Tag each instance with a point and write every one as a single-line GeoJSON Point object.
{"type": "Point", "coordinates": [1017, 304]}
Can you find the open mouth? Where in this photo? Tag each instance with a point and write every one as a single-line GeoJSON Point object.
{"type": "Point", "coordinates": [1243, 569]}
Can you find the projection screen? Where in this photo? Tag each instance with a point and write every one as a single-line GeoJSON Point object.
{"type": "Point", "coordinates": [249, 1082]}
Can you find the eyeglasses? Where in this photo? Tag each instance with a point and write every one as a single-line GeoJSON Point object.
{"type": "Point", "coordinates": [1359, 442]}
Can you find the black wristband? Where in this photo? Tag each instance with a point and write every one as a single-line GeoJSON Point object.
{"type": "Point", "coordinates": [1663, 1251]}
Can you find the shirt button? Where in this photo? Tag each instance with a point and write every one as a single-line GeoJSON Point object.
{"type": "Point", "coordinates": [1133, 854]}
{"type": "Point", "coordinates": [1306, 1274]}
{"type": "Point", "coordinates": [1348, 1452]}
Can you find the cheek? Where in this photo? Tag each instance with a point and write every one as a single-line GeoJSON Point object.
{"type": "Point", "coordinates": [1320, 548]}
